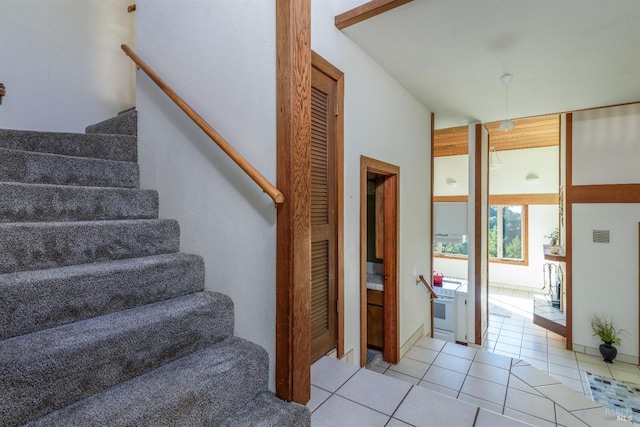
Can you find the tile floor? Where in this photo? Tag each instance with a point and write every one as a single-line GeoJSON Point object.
{"type": "Point", "coordinates": [522, 374]}
{"type": "Point", "coordinates": [518, 337]}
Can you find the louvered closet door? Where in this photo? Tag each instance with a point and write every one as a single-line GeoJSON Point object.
{"type": "Point", "coordinates": [323, 215]}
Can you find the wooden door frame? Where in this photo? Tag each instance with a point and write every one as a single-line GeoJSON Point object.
{"type": "Point", "coordinates": [325, 67]}
{"type": "Point", "coordinates": [391, 304]}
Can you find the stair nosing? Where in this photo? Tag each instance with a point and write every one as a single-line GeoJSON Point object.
{"type": "Point", "coordinates": [88, 266]}
{"type": "Point", "coordinates": [74, 186]}
{"type": "Point", "coordinates": [41, 153]}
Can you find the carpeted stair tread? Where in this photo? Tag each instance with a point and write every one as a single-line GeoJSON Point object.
{"type": "Point", "coordinates": [102, 321]}
{"type": "Point", "coordinates": [33, 246]}
{"type": "Point", "coordinates": [125, 123]}
{"type": "Point", "coordinates": [35, 300]}
{"type": "Point", "coordinates": [267, 410]}
{"type": "Point", "coordinates": [44, 202]}
{"type": "Point", "coordinates": [42, 168]}
{"type": "Point", "coordinates": [50, 369]}
{"type": "Point", "coordinates": [106, 147]}
{"type": "Point", "coordinates": [201, 389]}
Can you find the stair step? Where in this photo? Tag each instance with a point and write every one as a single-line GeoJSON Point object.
{"type": "Point", "coordinates": [42, 168]}
{"type": "Point", "coordinates": [268, 410]}
{"type": "Point", "coordinates": [48, 370]}
{"type": "Point", "coordinates": [81, 292]}
{"type": "Point", "coordinates": [125, 123]}
{"type": "Point", "coordinates": [201, 389]}
{"type": "Point", "coordinates": [33, 246]}
{"type": "Point", "coordinates": [44, 202]}
{"type": "Point", "coordinates": [107, 147]}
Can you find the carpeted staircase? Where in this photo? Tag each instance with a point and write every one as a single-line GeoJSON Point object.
{"type": "Point", "coordinates": [103, 322]}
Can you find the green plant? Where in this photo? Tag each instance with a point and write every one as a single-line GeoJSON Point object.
{"type": "Point", "coordinates": [553, 237]}
{"type": "Point", "coordinates": [604, 329]}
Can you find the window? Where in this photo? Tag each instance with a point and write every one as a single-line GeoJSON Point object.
{"type": "Point", "coordinates": [447, 246]}
{"type": "Point", "coordinates": [506, 236]}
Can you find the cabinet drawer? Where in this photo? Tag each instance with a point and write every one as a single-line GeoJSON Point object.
{"type": "Point", "coordinates": [375, 297]}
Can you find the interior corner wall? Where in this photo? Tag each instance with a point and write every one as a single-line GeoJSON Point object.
{"type": "Point", "coordinates": [62, 64]}
{"type": "Point", "coordinates": [384, 122]}
{"type": "Point", "coordinates": [220, 56]}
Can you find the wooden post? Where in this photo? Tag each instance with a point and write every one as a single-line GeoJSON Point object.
{"type": "Point", "coordinates": [293, 252]}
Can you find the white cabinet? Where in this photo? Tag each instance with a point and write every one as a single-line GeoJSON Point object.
{"type": "Point", "coordinates": [461, 314]}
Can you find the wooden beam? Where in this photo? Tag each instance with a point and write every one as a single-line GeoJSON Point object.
{"type": "Point", "coordinates": [366, 11]}
{"type": "Point", "coordinates": [293, 254]}
{"type": "Point", "coordinates": [508, 199]}
{"type": "Point", "coordinates": [524, 199]}
{"type": "Point", "coordinates": [606, 193]}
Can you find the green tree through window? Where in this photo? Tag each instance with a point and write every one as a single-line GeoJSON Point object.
{"type": "Point", "coordinates": [505, 232]}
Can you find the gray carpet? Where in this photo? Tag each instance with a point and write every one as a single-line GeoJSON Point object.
{"type": "Point", "coordinates": [102, 320]}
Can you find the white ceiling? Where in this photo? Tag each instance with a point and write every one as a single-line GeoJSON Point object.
{"type": "Point", "coordinates": [564, 55]}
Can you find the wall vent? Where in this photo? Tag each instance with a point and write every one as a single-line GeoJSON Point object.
{"type": "Point", "coordinates": [600, 236]}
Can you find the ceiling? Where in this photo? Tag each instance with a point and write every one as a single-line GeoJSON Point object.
{"type": "Point", "coordinates": [564, 55]}
{"type": "Point", "coordinates": [531, 132]}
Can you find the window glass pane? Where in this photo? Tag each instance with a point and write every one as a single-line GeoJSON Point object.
{"type": "Point", "coordinates": [505, 232]}
{"type": "Point", "coordinates": [493, 231]}
{"type": "Point", "coordinates": [512, 232]}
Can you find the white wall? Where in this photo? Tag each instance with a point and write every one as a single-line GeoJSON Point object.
{"type": "Point", "coordinates": [392, 127]}
{"type": "Point", "coordinates": [220, 56]}
{"type": "Point", "coordinates": [62, 64]}
{"type": "Point", "coordinates": [607, 142]}
{"type": "Point", "coordinates": [510, 179]}
{"type": "Point", "coordinates": [454, 169]}
{"type": "Point", "coordinates": [605, 276]}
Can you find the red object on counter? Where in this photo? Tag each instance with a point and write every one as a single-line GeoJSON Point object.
{"type": "Point", "coordinates": [437, 279]}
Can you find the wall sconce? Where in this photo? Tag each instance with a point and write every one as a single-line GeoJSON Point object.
{"type": "Point", "coordinates": [531, 178]}
{"type": "Point", "coordinates": [452, 182]}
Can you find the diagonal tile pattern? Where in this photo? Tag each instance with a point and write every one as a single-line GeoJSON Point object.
{"type": "Point", "coordinates": [522, 375]}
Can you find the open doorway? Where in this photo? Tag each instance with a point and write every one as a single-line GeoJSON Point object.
{"type": "Point", "coordinates": [523, 209]}
{"type": "Point", "coordinates": [379, 201]}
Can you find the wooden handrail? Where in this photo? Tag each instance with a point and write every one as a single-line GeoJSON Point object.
{"type": "Point", "coordinates": [244, 164]}
{"type": "Point", "coordinates": [427, 285]}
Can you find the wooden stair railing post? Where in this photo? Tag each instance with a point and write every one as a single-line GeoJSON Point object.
{"type": "Point", "coordinates": [244, 164]}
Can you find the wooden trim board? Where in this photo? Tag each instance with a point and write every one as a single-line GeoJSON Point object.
{"type": "Point", "coordinates": [366, 11]}
{"type": "Point", "coordinates": [293, 257]}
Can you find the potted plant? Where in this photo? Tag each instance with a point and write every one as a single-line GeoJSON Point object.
{"type": "Point", "coordinates": [554, 238]}
{"type": "Point", "coordinates": [608, 333]}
